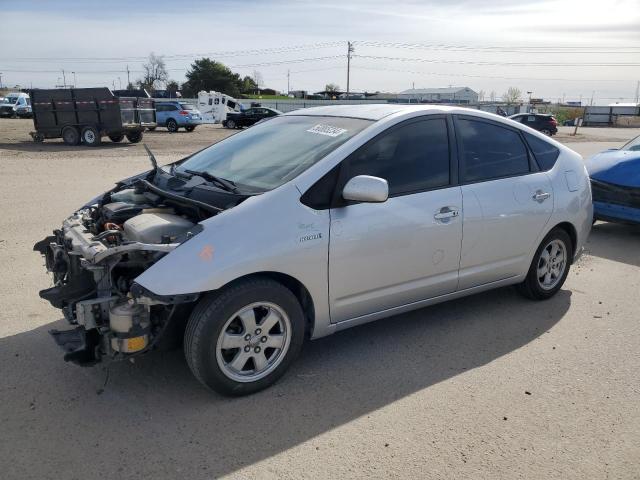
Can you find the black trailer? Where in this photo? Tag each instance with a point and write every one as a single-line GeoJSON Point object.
{"type": "Point", "coordinates": [88, 114]}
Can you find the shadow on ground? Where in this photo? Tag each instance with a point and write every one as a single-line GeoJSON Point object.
{"type": "Point", "coordinates": [57, 145]}
{"type": "Point", "coordinates": [153, 418]}
{"type": "Point", "coordinates": [616, 242]}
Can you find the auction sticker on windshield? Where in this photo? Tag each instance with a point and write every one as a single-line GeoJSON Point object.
{"type": "Point", "coordinates": [327, 130]}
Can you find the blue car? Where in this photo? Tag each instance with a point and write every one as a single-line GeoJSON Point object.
{"type": "Point", "coordinates": [615, 183]}
{"type": "Point", "coordinates": [175, 114]}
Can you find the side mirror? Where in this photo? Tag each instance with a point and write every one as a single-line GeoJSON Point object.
{"type": "Point", "coordinates": [365, 188]}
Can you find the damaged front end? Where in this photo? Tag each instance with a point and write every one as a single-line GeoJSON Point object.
{"type": "Point", "coordinates": [94, 262]}
{"type": "Point", "coordinates": [100, 250]}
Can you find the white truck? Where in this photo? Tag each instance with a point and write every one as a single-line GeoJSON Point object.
{"type": "Point", "coordinates": [214, 106]}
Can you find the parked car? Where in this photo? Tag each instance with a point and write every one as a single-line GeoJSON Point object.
{"type": "Point", "coordinates": [544, 123]}
{"type": "Point", "coordinates": [249, 117]}
{"type": "Point", "coordinates": [15, 104]}
{"type": "Point", "coordinates": [615, 183]}
{"type": "Point", "coordinates": [232, 242]}
{"type": "Point", "coordinates": [175, 115]}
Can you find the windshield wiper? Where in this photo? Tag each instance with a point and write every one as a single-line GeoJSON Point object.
{"type": "Point", "coordinates": [227, 185]}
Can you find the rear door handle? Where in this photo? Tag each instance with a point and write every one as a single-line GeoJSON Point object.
{"type": "Point", "coordinates": [541, 196]}
{"type": "Point", "coordinates": [445, 213]}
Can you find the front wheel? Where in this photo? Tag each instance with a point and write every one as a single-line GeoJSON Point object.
{"type": "Point", "coordinates": [550, 266]}
{"type": "Point", "coordinates": [230, 124]}
{"type": "Point", "coordinates": [70, 135]}
{"type": "Point", "coordinates": [243, 339]}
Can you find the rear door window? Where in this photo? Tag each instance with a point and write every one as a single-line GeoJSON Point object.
{"type": "Point", "coordinates": [490, 151]}
{"type": "Point", "coordinates": [544, 153]}
{"type": "Point", "coordinates": [412, 157]}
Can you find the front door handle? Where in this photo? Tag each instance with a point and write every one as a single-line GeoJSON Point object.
{"type": "Point", "coordinates": [541, 196]}
{"type": "Point", "coordinates": [446, 213]}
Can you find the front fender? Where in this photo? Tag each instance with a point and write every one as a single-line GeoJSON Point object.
{"type": "Point", "coordinates": [272, 232]}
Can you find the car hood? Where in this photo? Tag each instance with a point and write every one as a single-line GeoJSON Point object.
{"type": "Point", "coordinates": [619, 167]}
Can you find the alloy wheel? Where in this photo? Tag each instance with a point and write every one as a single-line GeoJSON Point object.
{"type": "Point", "coordinates": [253, 342]}
{"type": "Point", "coordinates": [551, 264]}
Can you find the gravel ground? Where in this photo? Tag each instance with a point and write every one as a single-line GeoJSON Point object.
{"type": "Point", "coordinates": [492, 386]}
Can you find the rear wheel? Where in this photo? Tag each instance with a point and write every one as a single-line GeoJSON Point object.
{"type": "Point", "coordinates": [231, 124]}
{"type": "Point", "coordinates": [116, 138]}
{"type": "Point", "coordinates": [172, 125]}
{"type": "Point", "coordinates": [91, 137]}
{"type": "Point", "coordinates": [190, 128]}
{"type": "Point", "coordinates": [243, 339]}
{"type": "Point", "coordinates": [549, 267]}
{"type": "Point", "coordinates": [134, 137]}
{"type": "Point", "coordinates": [546, 131]}
{"type": "Point", "coordinates": [70, 135]}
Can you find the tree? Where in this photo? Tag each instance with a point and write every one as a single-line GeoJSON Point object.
{"type": "Point", "coordinates": [492, 96]}
{"type": "Point", "coordinates": [331, 88]}
{"type": "Point", "coordinates": [512, 95]}
{"type": "Point", "coordinates": [481, 95]}
{"type": "Point", "coordinates": [257, 79]}
{"type": "Point", "coordinates": [172, 88]}
{"type": "Point", "coordinates": [155, 73]}
{"type": "Point", "coordinates": [207, 74]}
{"type": "Point", "coordinates": [248, 85]}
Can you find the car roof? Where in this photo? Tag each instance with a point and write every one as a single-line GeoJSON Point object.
{"type": "Point", "coordinates": [378, 111]}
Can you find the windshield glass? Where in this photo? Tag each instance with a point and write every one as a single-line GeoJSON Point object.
{"type": "Point", "coordinates": [11, 100]}
{"type": "Point", "coordinates": [267, 155]}
{"type": "Point", "coordinates": [633, 145]}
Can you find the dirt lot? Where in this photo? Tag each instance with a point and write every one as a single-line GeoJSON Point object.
{"type": "Point", "coordinates": [492, 386]}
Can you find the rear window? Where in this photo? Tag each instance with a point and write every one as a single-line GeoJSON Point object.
{"type": "Point", "coordinates": [187, 106]}
{"type": "Point", "coordinates": [545, 153]}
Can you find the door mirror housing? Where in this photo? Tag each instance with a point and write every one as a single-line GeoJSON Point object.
{"type": "Point", "coordinates": [367, 189]}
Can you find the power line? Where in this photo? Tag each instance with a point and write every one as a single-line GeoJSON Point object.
{"type": "Point", "coordinates": [501, 49]}
{"type": "Point", "coordinates": [509, 64]}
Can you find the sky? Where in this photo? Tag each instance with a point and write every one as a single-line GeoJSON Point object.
{"type": "Point", "coordinates": [557, 50]}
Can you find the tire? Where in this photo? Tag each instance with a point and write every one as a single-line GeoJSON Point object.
{"type": "Point", "coordinates": [172, 125]}
{"type": "Point", "coordinates": [134, 137]}
{"type": "Point", "coordinates": [151, 129]}
{"type": "Point", "coordinates": [231, 124]}
{"type": "Point", "coordinates": [546, 276]}
{"type": "Point", "coordinates": [116, 138]}
{"type": "Point", "coordinates": [546, 131]}
{"type": "Point", "coordinates": [70, 136]}
{"type": "Point", "coordinates": [190, 128]}
{"type": "Point", "coordinates": [91, 137]}
{"type": "Point", "coordinates": [217, 317]}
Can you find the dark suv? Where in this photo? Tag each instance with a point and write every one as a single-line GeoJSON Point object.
{"type": "Point", "coordinates": [544, 123]}
{"type": "Point", "coordinates": [249, 117]}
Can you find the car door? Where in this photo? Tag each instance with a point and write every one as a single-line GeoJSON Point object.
{"type": "Point", "coordinates": [161, 114]}
{"type": "Point", "coordinates": [506, 201]}
{"type": "Point", "coordinates": [407, 249]}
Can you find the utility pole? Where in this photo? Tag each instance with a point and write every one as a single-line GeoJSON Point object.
{"type": "Point", "coordinates": [75, 84]}
{"type": "Point", "coordinates": [288, 75]}
{"type": "Point", "coordinates": [638, 91]}
{"type": "Point", "coordinates": [128, 81]}
{"type": "Point", "coordinates": [0, 79]}
{"type": "Point", "coordinates": [64, 79]}
{"type": "Point", "coordinates": [593, 92]}
{"type": "Point", "coordinates": [349, 52]}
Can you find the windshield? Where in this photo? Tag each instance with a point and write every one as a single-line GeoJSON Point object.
{"type": "Point", "coordinates": [267, 155]}
{"type": "Point", "coordinates": [11, 100]}
{"type": "Point", "coordinates": [633, 145]}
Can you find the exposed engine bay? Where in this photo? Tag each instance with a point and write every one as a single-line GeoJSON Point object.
{"type": "Point", "coordinates": [99, 251]}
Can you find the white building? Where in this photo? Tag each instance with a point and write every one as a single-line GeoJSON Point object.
{"type": "Point", "coordinates": [440, 95]}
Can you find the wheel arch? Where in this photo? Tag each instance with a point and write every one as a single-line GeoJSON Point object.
{"type": "Point", "coordinates": [573, 235]}
{"type": "Point", "coordinates": [294, 285]}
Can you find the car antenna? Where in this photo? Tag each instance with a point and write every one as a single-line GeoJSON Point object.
{"type": "Point", "coordinates": [154, 162]}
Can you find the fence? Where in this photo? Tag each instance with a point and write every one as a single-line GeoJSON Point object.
{"type": "Point", "coordinates": [609, 116]}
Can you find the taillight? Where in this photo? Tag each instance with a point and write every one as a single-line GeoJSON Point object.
{"type": "Point", "coordinates": [554, 122]}
{"type": "Point", "coordinates": [184, 112]}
